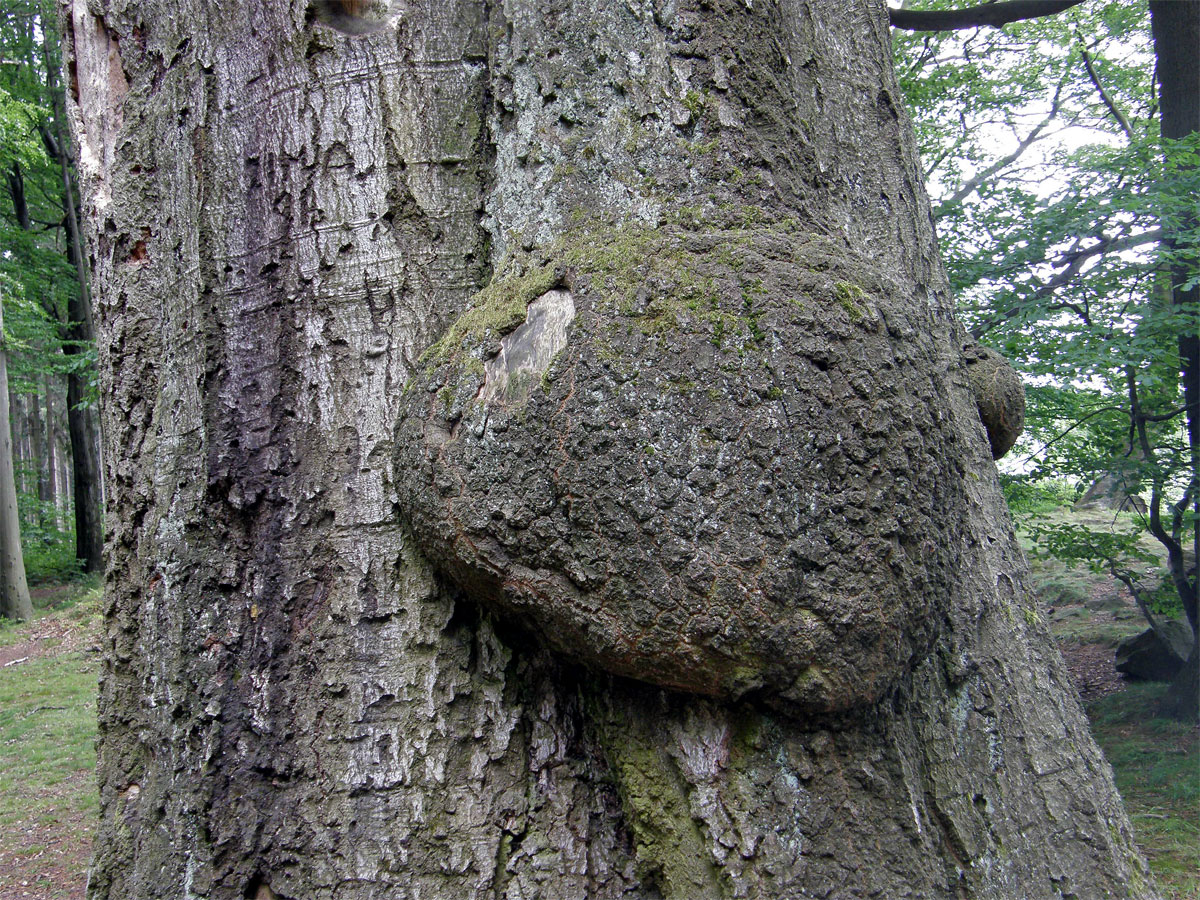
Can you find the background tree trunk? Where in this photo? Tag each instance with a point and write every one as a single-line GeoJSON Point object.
{"type": "Point", "coordinates": [14, 591]}
{"type": "Point", "coordinates": [78, 331]}
{"type": "Point", "coordinates": [82, 424]}
{"type": "Point", "coordinates": [83, 427]}
{"type": "Point", "coordinates": [39, 431]}
{"type": "Point", "coordinates": [54, 481]}
{"type": "Point", "coordinates": [1176, 29]}
{"type": "Point", "coordinates": [282, 219]}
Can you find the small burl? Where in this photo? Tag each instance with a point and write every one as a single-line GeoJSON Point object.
{"type": "Point", "coordinates": [999, 396]}
{"type": "Point", "coordinates": [714, 461]}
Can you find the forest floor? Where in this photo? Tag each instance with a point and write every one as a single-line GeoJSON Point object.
{"type": "Point", "coordinates": [1156, 761]}
{"type": "Point", "coordinates": [48, 673]}
{"type": "Point", "coordinates": [49, 667]}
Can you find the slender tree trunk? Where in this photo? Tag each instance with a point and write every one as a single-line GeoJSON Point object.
{"type": "Point", "coordinates": [78, 332]}
{"type": "Point", "coordinates": [283, 219]}
{"type": "Point", "coordinates": [1176, 29]}
{"type": "Point", "coordinates": [83, 427]}
{"type": "Point", "coordinates": [14, 591]}
{"type": "Point", "coordinates": [40, 450]}
{"type": "Point", "coordinates": [16, 189]}
{"type": "Point", "coordinates": [54, 497]}
{"type": "Point", "coordinates": [82, 423]}
{"type": "Point", "coordinates": [18, 420]}
{"type": "Point", "coordinates": [64, 469]}
{"type": "Point", "coordinates": [19, 436]}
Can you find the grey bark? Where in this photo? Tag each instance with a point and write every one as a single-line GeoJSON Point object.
{"type": "Point", "coordinates": [14, 591]}
{"type": "Point", "coordinates": [295, 703]}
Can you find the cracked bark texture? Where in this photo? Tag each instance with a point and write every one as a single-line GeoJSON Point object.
{"type": "Point", "coordinates": [295, 703]}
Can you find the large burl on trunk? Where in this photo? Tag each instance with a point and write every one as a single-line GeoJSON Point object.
{"type": "Point", "coordinates": [726, 471]}
{"type": "Point", "coordinates": [543, 464]}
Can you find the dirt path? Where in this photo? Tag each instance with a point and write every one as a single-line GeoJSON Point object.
{"type": "Point", "coordinates": [47, 636]}
{"type": "Point", "coordinates": [1091, 668]}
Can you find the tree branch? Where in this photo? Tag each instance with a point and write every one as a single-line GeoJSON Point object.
{"type": "Point", "coordinates": [1073, 261]}
{"type": "Point", "coordinates": [970, 186]}
{"type": "Point", "coordinates": [988, 14]}
{"type": "Point", "coordinates": [1119, 116]}
{"type": "Point", "coordinates": [1046, 445]}
{"type": "Point", "coordinates": [1139, 597]}
{"type": "Point", "coordinates": [1176, 564]}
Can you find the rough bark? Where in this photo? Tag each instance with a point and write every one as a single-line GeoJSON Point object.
{"type": "Point", "coordinates": [14, 591]}
{"type": "Point", "coordinates": [295, 703]}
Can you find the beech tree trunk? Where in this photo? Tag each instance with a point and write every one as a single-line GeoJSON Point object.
{"type": "Point", "coordinates": [282, 219]}
{"type": "Point", "coordinates": [1176, 30]}
{"type": "Point", "coordinates": [54, 481]}
{"type": "Point", "coordinates": [78, 330]}
{"type": "Point", "coordinates": [15, 602]}
{"type": "Point", "coordinates": [82, 426]}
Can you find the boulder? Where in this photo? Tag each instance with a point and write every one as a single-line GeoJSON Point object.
{"type": "Point", "coordinates": [1147, 657]}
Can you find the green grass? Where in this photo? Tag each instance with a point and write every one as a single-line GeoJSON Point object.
{"type": "Point", "coordinates": [47, 734]}
{"type": "Point", "coordinates": [1157, 766]}
{"type": "Point", "coordinates": [47, 729]}
{"type": "Point", "coordinates": [48, 797]}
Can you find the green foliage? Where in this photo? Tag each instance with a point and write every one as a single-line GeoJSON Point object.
{"type": "Point", "coordinates": [1116, 544]}
{"type": "Point", "coordinates": [1025, 495]}
{"type": "Point", "coordinates": [38, 278]}
{"type": "Point", "coordinates": [1099, 549]}
{"type": "Point", "coordinates": [47, 713]}
{"type": "Point", "coordinates": [1053, 190]}
{"type": "Point", "coordinates": [48, 550]}
{"type": "Point", "coordinates": [18, 144]}
{"type": "Point", "coordinates": [48, 796]}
